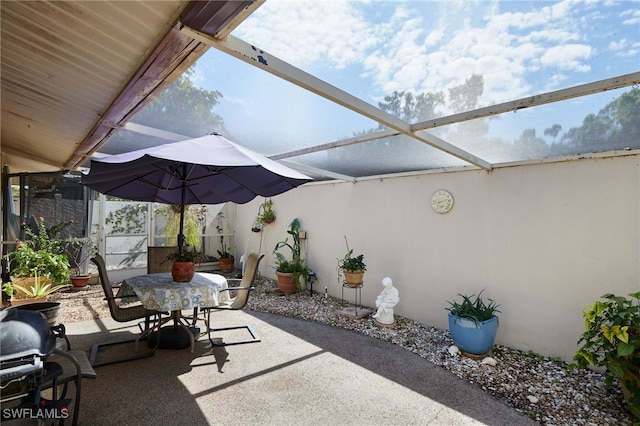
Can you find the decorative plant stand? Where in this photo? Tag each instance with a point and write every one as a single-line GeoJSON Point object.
{"type": "Point", "coordinates": [357, 310]}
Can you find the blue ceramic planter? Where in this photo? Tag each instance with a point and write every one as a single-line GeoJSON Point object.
{"type": "Point", "coordinates": [471, 337]}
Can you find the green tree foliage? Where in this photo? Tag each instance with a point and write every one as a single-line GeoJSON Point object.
{"type": "Point", "coordinates": [464, 97]}
{"type": "Point", "coordinates": [183, 108]}
{"type": "Point", "coordinates": [410, 108]}
{"type": "Point", "coordinates": [553, 131]}
{"type": "Point", "coordinates": [530, 145]}
{"type": "Point", "coordinates": [401, 150]}
{"type": "Point", "coordinates": [616, 126]}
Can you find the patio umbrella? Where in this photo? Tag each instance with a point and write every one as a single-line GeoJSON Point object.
{"type": "Point", "coordinates": [205, 170]}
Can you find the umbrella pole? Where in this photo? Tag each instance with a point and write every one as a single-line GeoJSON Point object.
{"type": "Point", "coordinates": [181, 234]}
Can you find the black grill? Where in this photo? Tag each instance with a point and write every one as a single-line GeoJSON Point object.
{"type": "Point", "coordinates": [26, 341]}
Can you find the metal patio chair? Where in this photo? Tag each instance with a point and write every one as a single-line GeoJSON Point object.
{"type": "Point", "coordinates": [236, 303]}
{"type": "Point", "coordinates": [124, 314]}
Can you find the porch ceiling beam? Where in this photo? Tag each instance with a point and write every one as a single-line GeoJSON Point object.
{"type": "Point", "coordinates": [146, 130]}
{"type": "Point", "coordinates": [531, 101]}
{"type": "Point", "coordinates": [337, 144]}
{"type": "Point", "coordinates": [269, 63]}
{"type": "Point", "coordinates": [314, 170]}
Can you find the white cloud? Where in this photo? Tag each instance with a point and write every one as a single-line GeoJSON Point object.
{"type": "Point", "coordinates": [432, 46]}
{"type": "Point", "coordinates": [303, 33]}
{"type": "Point", "coordinates": [568, 57]}
{"type": "Point", "coordinates": [632, 17]}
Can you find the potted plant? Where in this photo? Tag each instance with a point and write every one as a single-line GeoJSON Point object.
{"type": "Point", "coordinates": [38, 261]}
{"type": "Point", "coordinates": [612, 340]}
{"type": "Point", "coordinates": [225, 259]}
{"type": "Point", "coordinates": [289, 272]}
{"type": "Point", "coordinates": [352, 267]}
{"type": "Point", "coordinates": [79, 250]}
{"type": "Point", "coordinates": [473, 323]}
{"type": "Point", "coordinates": [37, 291]}
{"type": "Point", "coordinates": [184, 260]}
{"type": "Point", "coordinates": [266, 214]}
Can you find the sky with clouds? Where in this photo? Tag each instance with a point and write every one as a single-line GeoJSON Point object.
{"type": "Point", "coordinates": [372, 48]}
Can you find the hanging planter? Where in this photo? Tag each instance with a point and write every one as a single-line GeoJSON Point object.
{"type": "Point", "coordinates": [266, 215]}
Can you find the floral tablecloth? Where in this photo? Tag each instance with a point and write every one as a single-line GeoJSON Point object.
{"type": "Point", "coordinates": [159, 292]}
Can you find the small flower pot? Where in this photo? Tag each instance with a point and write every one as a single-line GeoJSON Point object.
{"type": "Point", "coordinates": [80, 280]}
{"type": "Point", "coordinates": [226, 264]}
{"type": "Point", "coordinates": [353, 279]}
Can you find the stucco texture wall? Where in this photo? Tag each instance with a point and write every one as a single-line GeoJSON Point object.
{"type": "Point", "coordinates": [543, 240]}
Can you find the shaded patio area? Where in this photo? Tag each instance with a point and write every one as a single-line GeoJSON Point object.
{"type": "Point", "coordinates": [302, 372]}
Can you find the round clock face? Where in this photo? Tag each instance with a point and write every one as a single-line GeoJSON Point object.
{"type": "Point", "coordinates": [441, 201]}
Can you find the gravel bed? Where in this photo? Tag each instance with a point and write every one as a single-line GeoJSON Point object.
{"type": "Point", "coordinates": [545, 389]}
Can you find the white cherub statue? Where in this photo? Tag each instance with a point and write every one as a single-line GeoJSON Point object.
{"type": "Point", "coordinates": [385, 302]}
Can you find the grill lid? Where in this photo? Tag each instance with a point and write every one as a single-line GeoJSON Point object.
{"type": "Point", "coordinates": [24, 333]}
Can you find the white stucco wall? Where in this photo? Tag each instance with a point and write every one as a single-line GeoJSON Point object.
{"type": "Point", "coordinates": [542, 240]}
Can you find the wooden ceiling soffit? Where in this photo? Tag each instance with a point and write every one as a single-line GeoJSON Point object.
{"type": "Point", "coordinates": [173, 55]}
{"type": "Point", "coordinates": [218, 18]}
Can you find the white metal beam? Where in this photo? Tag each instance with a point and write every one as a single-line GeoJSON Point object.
{"type": "Point", "coordinates": [146, 130]}
{"type": "Point", "coordinates": [545, 98]}
{"type": "Point", "coordinates": [314, 170]}
{"type": "Point", "coordinates": [271, 64]}
{"type": "Point", "coordinates": [337, 144]}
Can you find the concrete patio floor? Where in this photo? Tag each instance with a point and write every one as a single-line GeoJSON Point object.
{"type": "Point", "coordinates": [301, 373]}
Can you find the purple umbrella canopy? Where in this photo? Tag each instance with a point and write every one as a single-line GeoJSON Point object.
{"type": "Point", "coordinates": [205, 170]}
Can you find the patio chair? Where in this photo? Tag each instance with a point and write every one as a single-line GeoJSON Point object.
{"type": "Point", "coordinates": [75, 366]}
{"type": "Point", "coordinates": [236, 303]}
{"type": "Point", "coordinates": [124, 314]}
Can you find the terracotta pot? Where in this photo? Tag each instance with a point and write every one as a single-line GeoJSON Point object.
{"type": "Point", "coordinates": [27, 301]}
{"type": "Point", "coordinates": [226, 264]}
{"type": "Point", "coordinates": [27, 282]}
{"type": "Point", "coordinates": [286, 283]}
{"type": "Point", "coordinates": [353, 279]}
{"type": "Point", "coordinates": [80, 280]}
{"type": "Point", "coordinates": [183, 272]}
{"type": "Point", "coordinates": [268, 220]}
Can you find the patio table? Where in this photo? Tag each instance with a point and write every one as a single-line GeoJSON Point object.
{"type": "Point", "coordinates": [159, 292]}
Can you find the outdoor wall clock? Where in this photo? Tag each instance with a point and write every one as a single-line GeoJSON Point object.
{"type": "Point", "coordinates": [442, 201]}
